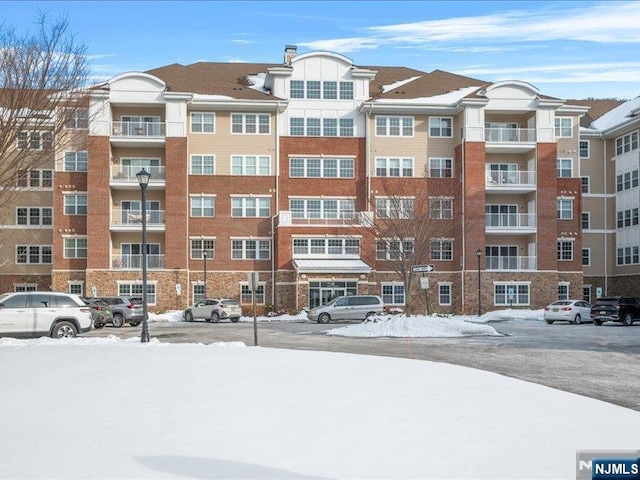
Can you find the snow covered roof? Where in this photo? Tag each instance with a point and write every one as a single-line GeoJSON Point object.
{"type": "Point", "coordinates": [618, 115]}
{"type": "Point", "coordinates": [448, 98]}
{"type": "Point", "coordinates": [331, 266]}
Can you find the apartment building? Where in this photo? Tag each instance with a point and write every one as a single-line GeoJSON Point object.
{"type": "Point", "coordinates": [286, 168]}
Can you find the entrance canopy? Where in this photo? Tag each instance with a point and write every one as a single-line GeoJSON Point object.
{"type": "Point", "coordinates": [331, 266]}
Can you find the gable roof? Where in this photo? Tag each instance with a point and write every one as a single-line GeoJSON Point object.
{"type": "Point", "coordinates": [597, 109]}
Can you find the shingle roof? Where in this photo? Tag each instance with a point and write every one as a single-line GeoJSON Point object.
{"type": "Point", "coordinates": [596, 110]}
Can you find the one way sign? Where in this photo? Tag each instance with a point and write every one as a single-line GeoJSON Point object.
{"type": "Point", "coordinates": [422, 268]}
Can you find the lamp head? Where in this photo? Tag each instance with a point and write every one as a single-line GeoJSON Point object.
{"type": "Point", "coordinates": [143, 177]}
{"type": "Point", "coordinates": [478, 253]}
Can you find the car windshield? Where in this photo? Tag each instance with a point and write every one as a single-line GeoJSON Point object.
{"type": "Point", "coordinates": [228, 301]}
{"type": "Point", "coordinates": [333, 300]}
{"type": "Point", "coordinates": [606, 301]}
{"type": "Point", "coordinates": [561, 302]}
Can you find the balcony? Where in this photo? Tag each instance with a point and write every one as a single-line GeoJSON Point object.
{"type": "Point", "coordinates": [347, 219]}
{"type": "Point", "coordinates": [513, 140]}
{"type": "Point", "coordinates": [510, 223]}
{"type": "Point", "coordinates": [133, 134]}
{"type": "Point", "coordinates": [521, 181]}
{"type": "Point", "coordinates": [511, 264]}
{"type": "Point", "coordinates": [134, 262]}
{"type": "Point", "coordinates": [131, 220]}
{"type": "Point", "coordinates": [124, 176]}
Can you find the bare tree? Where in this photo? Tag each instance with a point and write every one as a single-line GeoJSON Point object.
{"type": "Point", "coordinates": [43, 80]}
{"type": "Point", "coordinates": [413, 224]}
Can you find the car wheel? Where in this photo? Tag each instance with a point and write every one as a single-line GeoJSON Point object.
{"type": "Point", "coordinates": [118, 320]}
{"type": "Point", "coordinates": [597, 322]}
{"type": "Point", "coordinates": [324, 318]}
{"type": "Point", "coordinates": [188, 317]}
{"type": "Point", "coordinates": [98, 325]}
{"type": "Point", "coordinates": [369, 314]}
{"type": "Point", "coordinates": [64, 330]}
{"type": "Point", "coordinates": [215, 317]}
{"type": "Point", "coordinates": [135, 324]}
{"type": "Point", "coordinates": [550, 322]}
{"type": "Point", "coordinates": [577, 320]}
{"type": "Point", "coordinates": [235, 319]}
{"type": "Point", "coordinates": [628, 320]}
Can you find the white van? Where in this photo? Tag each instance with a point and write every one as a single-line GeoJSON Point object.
{"type": "Point", "coordinates": [350, 307]}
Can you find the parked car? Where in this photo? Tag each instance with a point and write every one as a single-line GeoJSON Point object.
{"type": "Point", "coordinates": [350, 307]}
{"type": "Point", "coordinates": [214, 309]}
{"type": "Point", "coordinates": [616, 309]}
{"type": "Point", "coordinates": [100, 312]}
{"type": "Point", "coordinates": [37, 314]}
{"type": "Point", "coordinates": [572, 311]}
{"type": "Point", "coordinates": [125, 309]}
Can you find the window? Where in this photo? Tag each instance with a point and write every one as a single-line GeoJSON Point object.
{"type": "Point", "coordinates": [586, 220]}
{"type": "Point", "coordinates": [312, 208]}
{"type": "Point", "coordinates": [253, 207]}
{"type": "Point", "coordinates": [564, 126]}
{"type": "Point", "coordinates": [510, 294]}
{"type": "Point", "coordinates": [440, 126]}
{"type": "Point", "coordinates": [33, 254]}
{"type": "Point", "coordinates": [198, 293]}
{"type": "Point", "coordinates": [394, 167]}
{"type": "Point", "coordinates": [627, 218]}
{"type": "Point", "coordinates": [394, 207]}
{"type": "Point", "coordinates": [586, 257]}
{"type": "Point", "coordinates": [251, 123]}
{"type": "Point", "coordinates": [76, 118]}
{"type": "Point", "coordinates": [203, 206]}
{"type": "Point", "coordinates": [441, 167]}
{"type": "Point", "coordinates": [199, 245]}
{"type": "Point", "coordinates": [586, 186]}
{"type": "Point", "coordinates": [394, 126]}
{"type": "Point", "coordinates": [586, 293]}
{"type": "Point", "coordinates": [75, 247]}
{"type": "Point", "coordinates": [444, 294]}
{"type": "Point", "coordinates": [313, 89]}
{"type": "Point", "coordinates": [346, 127]}
{"type": "Point", "coordinates": [565, 209]}
{"type": "Point", "coordinates": [330, 127]}
{"type": "Point", "coordinates": [441, 249]}
{"type": "Point", "coordinates": [346, 90]}
{"type": "Point", "coordinates": [565, 250]}
{"type": "Point", "coordinates": [250, 165]}
{"type": "Point", "coordinates": [393, 293]}
{"type": "Point", "coordinates": [325, 246]}
{"type": "Point", "coordinates": [203, 122]}
{"type": "Point", "coordinates": [75, 204]}
{"type": "Point", "coordinates": [297, 88]}
{"type": "Point", "coordinates": [627, 143]}
{"type": "Point", "coordinates": [250, 249]}
{"type": "Point", "coordinates": [34, 216]}
{"type": "Point", "coordinates": [75, 161]}
{"type": "Point", "coordinates": [35, 140]}
{"type": "Point", "coordinates": [203, 165]}
{"type": "Point", "coordinates": [330, 90]}
{"type": "Point", "coordinates": [440, 208]}
{"type": "Point", "coordinates": [584, 149]}
{"type": "Point", "coordinates": [76, 288]}
{"type": "Point", "coordinates": [35, 179]}
{"type": "Point", "coordinates": [321, 167]}
{"type": "Point", "coordinates": [393, 249]}
{"type": "Point", "coordinates": [565, 167]}
{"type": "Point", "coordinates": [135, 290]}
{"type": "Point", "coordinates": [628, 255]}
{"type": "Point", "coordinates": [25, 287]}
{"type": "Point", "coordinates": [563, 291]}
{"type": "Point", "coordinates": [246, 296]}
{"type": "Point", "coordinates": [627, 180]}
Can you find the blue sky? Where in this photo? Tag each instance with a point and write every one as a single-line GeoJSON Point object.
{"type": "Point", "coordinates": [566, 49]}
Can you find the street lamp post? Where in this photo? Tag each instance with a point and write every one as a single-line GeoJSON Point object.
{"type": "Point", "coordinates": [143, 180]}
{"type": "Point", "coordinates": [204, 256]}
{"type": "Point", "coordinates": [478, 255]}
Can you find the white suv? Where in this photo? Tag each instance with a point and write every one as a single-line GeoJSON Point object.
{"type": "Point", "coordinates": [36, 314]}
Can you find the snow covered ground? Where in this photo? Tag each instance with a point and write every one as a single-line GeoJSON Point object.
{"type": "Point", "coordinates": [110, 408]}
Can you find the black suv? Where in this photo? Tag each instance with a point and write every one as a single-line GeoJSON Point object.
{"type": "Point", "coordinates": [616, 309]}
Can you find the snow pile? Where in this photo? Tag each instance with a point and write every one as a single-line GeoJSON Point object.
{"type": "Point", "coordinates": [413, 326]}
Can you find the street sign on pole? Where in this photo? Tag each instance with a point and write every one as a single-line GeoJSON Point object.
{"type": "Point", "coordinates": [422, 268]}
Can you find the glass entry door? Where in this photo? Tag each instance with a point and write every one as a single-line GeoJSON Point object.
{"type": "Point", "coordinates": [321, 292]}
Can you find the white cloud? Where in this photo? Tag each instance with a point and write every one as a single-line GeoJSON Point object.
{"type": "Point", "coordinates": [342, 45]}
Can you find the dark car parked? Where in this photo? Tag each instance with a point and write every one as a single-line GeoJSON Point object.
{"type": "Point", "coordinates": [125, 310]}
{"type": "Point", "coordinates": [616, 309]}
